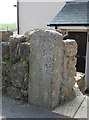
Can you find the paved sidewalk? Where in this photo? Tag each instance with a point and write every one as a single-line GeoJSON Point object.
{"type": "Point", "coordinates": [13, 109]}
{"type": "Point", "coordinates": [75, 108]}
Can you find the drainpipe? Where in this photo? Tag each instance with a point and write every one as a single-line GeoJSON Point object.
{"type": "Point", "coordinates": [55, 27]}
{"type": "Point", "coordinates": [18, 16]}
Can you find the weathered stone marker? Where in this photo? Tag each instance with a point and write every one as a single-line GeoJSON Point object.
{"type": "Point", "coordinates": [45, 63]}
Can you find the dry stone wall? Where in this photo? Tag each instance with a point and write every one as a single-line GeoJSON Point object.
{"type": "Point", "coordinates": [15, 62]}
{"type": "Point", "coordinates": [38, 66]}
{"type": "Point", "coordinates": [69, 69]}
{"type": "Point", "coordinates": [80, 80]}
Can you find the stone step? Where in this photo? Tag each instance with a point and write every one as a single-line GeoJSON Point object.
{"type": "Point", "coordinates": [69, 108]}
{"type": "Point", "coordinates": [82, 111]}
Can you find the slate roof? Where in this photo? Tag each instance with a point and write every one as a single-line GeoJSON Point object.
{"type": "Point", "coordinates": [73, 13]}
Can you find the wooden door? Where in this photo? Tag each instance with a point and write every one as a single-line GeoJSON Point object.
{"type": "Point", "coordinates": [81, 39]}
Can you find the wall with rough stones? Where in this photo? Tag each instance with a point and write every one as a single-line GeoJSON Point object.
{"type": "Point", "coordinates": [69, 69]}
{"type": "Point", "coordinates": [15, 66]}
{"type": "Point", "coordinates": [38, 66]}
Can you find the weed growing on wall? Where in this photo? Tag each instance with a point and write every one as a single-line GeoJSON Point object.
{"type": "Point", "coordinates": [6, 80]}
{"type": "Point", "coordinates": [26, 64]}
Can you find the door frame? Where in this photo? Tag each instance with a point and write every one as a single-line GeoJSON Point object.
{"type": "Point", "coordinates": [87, 65]}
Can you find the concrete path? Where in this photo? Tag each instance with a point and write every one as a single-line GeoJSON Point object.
{"type": "Point", "coordinates": [75, 108]}
{"type": "Point", "coordinates": [71, 107]}
{"type": "Point", "coordinates": [82, 112]}
{"type": "Point", "coordinates": [13, 109]}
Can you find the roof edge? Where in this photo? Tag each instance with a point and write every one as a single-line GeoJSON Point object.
{"type": "Point", "coordinates": [76, 2]}
{"type": "Point", "coordinates": [67, 25]}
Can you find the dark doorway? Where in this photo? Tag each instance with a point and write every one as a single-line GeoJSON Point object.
{"type": "Point", "coordinates": [81, 39]}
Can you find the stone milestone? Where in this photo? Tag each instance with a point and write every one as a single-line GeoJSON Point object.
{"type": "Point", "coordinates": [45, 62]}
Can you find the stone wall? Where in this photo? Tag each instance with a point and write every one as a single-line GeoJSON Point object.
{"type": "Point", "coordinates": [69, 69]}
{"type": "Point", "coordinates": [15, 66]}
{"type": "Point", "coordinates": [39, 65]}
{"type": "Point", "coordinates": [80, 80]}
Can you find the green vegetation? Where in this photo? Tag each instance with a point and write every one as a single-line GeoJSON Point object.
{"type": "Point", "coordinates": [12, 27]}
{"type": "Point", "coordinates": [26, 77]}
{"type": "Point", "coordinates": [27, 74]}
{"type": "Point", "coordinates": [25, 63]}
{"type": "Point", "coordinates": [8, 64]}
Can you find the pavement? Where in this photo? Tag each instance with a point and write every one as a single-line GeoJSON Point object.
{"type": "Point", "coordinates": [75, 108]}
{"type": "Point", "coordinates": [13, 109]}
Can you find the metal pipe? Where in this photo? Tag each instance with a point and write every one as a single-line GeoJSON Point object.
{"type": "Point", "coordinates": [18, 16]}
{"type": "Point", "coordinates": [55, 27]}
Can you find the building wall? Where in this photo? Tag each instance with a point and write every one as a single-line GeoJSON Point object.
{"type": "Point", "coordinates": [37, 14]}
{"type": "Point", "coordinates": [87, 67]}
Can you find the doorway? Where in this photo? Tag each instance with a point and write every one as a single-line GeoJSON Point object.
{"type": "Point", "coordinates": [81, 39]}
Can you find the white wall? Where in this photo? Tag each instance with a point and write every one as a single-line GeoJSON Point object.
{"type": "Point", "coordinates": [87, 66]}
{"type": "Point", "coordinates": [37, 14]}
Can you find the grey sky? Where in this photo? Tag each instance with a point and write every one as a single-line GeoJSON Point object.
{"type": "Point", "coordinates": [8, 13]}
